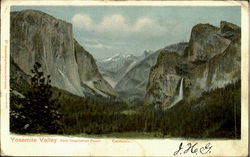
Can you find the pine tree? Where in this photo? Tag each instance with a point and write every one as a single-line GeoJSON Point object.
{"type": "Point", "coordinates": [39, 111]}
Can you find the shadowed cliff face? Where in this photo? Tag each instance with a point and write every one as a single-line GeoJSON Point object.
{"type": "Point", "coordinates": [211, 61]}
{"type": "Point", "coordinates": [39, 37]}
{"type": "Point", "coordinates": [88, 71]}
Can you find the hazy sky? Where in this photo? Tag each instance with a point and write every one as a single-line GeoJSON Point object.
{"type": "Point", "coordinates": [107, 30]}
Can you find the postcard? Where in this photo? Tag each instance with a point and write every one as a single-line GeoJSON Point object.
{"type": "Point", "coordinates": [124, 78]}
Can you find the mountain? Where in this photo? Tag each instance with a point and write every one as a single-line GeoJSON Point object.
{"type": "Point", "coordinates": [114, 68]}
{"type": "Point", "coordinates": [212, 60]}
{"type": "Point", "coordinates": [38, 37]}
{"type": "Point", "coordinates": [132, 85]}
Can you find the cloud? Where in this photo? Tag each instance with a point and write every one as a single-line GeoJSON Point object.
{"type": "Point", "coordinates": [99, 46]}
{"type": "Point", "coordinates": [81, 20]}
{"type": "Point", "coordinates": [94, 43]}
{"type": "Point", "coordinates": [117, 23]}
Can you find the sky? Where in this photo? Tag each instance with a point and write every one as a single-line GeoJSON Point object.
{"type": "Point", "coordinates": [105, 31]}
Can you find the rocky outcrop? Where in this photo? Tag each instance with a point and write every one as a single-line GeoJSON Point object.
{"type": "Point", "coordinates": [39, 37]}
{"type": "Point", "coordinates": [205, 43]}
{"type": "Point", "coordinates": [133, 85]}
{"type": "Point", "coordinates": [19, 81]}
{"type": "Point", "coordinates": [164, 79]}
{"type": "Point", "coordinates": [212, 60]}
{"type": "Point", "coordinates": [88, 71]}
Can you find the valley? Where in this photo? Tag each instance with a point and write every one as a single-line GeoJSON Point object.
{"type": "Point", "coordinates": [189, 89]}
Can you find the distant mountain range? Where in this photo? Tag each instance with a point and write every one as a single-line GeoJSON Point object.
{"type": "Point", "coordinates": [116, 67]}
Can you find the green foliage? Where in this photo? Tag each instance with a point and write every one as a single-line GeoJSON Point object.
{"type": "Point", "coordinates": [37, 112]}
{"type": "Point", "coordinates": [215, 114]}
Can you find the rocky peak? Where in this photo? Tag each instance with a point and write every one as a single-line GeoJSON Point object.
{"type": "Point", "coordinates": [205, 42]}
{"type": "Point", "coordinates": [228, 30]}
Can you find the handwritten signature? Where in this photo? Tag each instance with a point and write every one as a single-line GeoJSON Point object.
{"type": "Point", "coordinates": [193, 148]}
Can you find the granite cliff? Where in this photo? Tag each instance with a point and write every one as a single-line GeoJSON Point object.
{"type": "Point", "coordinates": [39, 37]}
{"type": "Point", "coordinates": [212, 60]}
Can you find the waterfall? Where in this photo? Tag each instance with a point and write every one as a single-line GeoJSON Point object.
{"type": "Point", "coordinates": [181, 90]}
{"type": "Point", "coordinates": [179, 97]}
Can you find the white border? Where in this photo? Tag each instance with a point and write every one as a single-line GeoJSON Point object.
{"type": "Point", "coordinates": [107, 147]}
